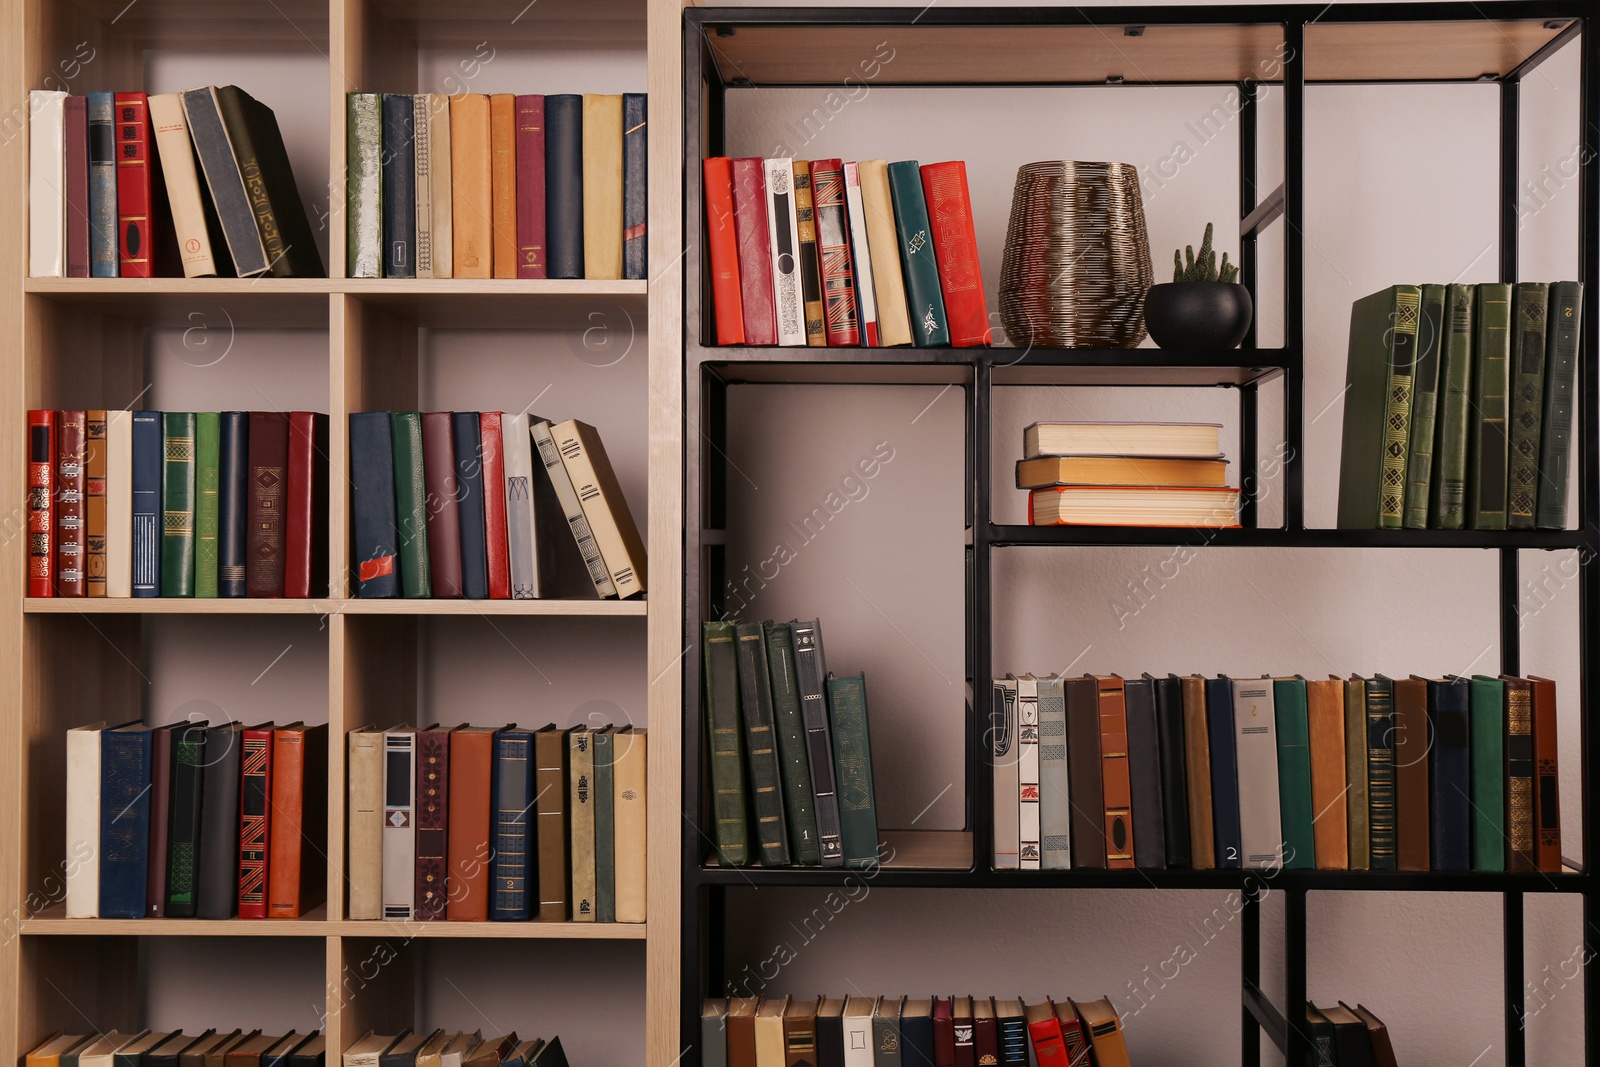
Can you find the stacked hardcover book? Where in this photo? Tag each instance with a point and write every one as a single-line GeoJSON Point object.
{"type": "Point", "coordinates": [178, 185]}
{"type": "Point", "coordinates": [473, 186]}
{"type": "Point", "coordinates": [1382, 774]}
{"type": "Point", "coordinates": [163, 1048]}
{"type": "Point", "coordinates": [1342, 1036]}
{"type": "Point", "coordinates": [1126, 474]}
{"type": "Point", "coordinates": [177, 503]}
{"type": "Point", "coordinates": [828, 252]}
{"type": "Point", "coordinates": [191, 820]}
{"type": "Point", "coordinates": [444, 1049]}
{"type": "Point", "coordinates": [476, 823]}
{"type": "Point", "coordinates": [1458, 408]}
{"type": "Point", "coordinates": [487, 506]}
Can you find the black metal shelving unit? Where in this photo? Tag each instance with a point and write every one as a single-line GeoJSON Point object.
{"type": "Point", "coordinates": [711, 70]}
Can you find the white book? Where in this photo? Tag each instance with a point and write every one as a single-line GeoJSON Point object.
{"type": "Point", "coordinates": [47, 183]}
{"type": "Point", "coordinates": [1003, 741]}
{"type": "Point", "coordinates": [443, 206]}
{"type": "Point", "coordinates": [1055, 806]}
{"type": "Point", "coordinates": [1028, 772]}
{"type": "Point", "coordinates": [422, 141]}
{"type": "Point", "coordinates": [83, 821]}
{"type": "Point", "coordinates": [858, 1012]}
{"type": "Point", "coordinates": [861, 256]}
{"type": "Point", "coordinates": [1256, 738]}
{"type": "Point", "coordinates": [99, 1053]}
{"type": "Point", "coordinates": [364, 834]}
{"type": "Point", "coordinates": [783, 232]}
{"type": "Point", "coordinates": [459, 1048]}
{"type": "Point", "coordinates": [176, 152]}
{"type": "Point", "coordinates": [520, 518]}
{"type": "Point", "coordinates": [119, 504]}
{"type": "Point", "coordinates": [399, 822]}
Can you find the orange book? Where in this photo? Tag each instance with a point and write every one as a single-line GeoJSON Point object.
{"type": "Point", "coordinates": [296, 846]}
{"type": "Point", "coordinates": [471, 186]}
{"type": "Point", "coordinates": [467, 812]}
{"type": "Point", "coordinates": [503, 155]}
{"type": "Point", "coordinates": [1330, 828]}
{"type": "Point", "coordinates": [1114, 773]}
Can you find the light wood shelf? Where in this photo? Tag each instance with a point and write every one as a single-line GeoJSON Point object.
{"type": "Point", "coordinates": [248, 606]}
{"type": "Point", "coordinates": [52, 923]}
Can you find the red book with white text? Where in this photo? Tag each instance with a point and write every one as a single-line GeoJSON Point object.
{"type": "Point", "coordinates": [71, 504]}
{"type": "Point", "coordinates": [255, 820]}
{"type": "Point", "coordinates": [722, 247]}
{"type": "Point", "coordinates": [137, 175]}
{"type": "Point", "coordinates": [492, 450]}
{"type": "Point", "coordinates": [531, 258]}
{"type": "Point", "coordinates": [755, 252]}
{"type": "Point", "coordinates": [841, 317]}
{"type": "Point", "coordinates": [305, 533]}
{"type": "Point", "coordinates": [955, 246]}
{"type": "Point", "coordinates": [41, 503]}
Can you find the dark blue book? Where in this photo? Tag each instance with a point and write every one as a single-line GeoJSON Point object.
{"type": "Point", "coordinates": [148, 457]}
{"type": "Point", "coordinates": [102, 110]}
{"type": "Point", "coordinates": [467, 438]}
{"type": "Point", "coordinates": [125, 756]}
{"type": "Point", "coordinates": [278, 1055]}
{"type": "Point", "coordinates": [916, 1033]}
{"type": "Point", "coordinates": [372, 515]}
{"type": "Point", "coordinates": [1450, 774]}
{"type": "Point", "coordinates": [399, 187]}
{"type": "Point", "coordinates": [634, 259]}
{"type": "Point", "coordinates": [233, 472]}
{"type": "Point", "coordinates": [511, 790]}
{"type": "Point", "coordinates": [563, 184]}
{"type": "Point", "coordinates": [1224, 771]}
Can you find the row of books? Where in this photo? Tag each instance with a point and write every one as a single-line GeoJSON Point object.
{"type": "Point", "coordinates": [443, 1049]}
{"type": "Point", "coordinates": [503, 186]}
{"type": "Point", "coordinates": [1342, 1036]}
{"type": "Point", "coordinates": [1126, 474]}
{"type": "Point", "coordinates": [827, 252]}
{"type": "Point", "coordinates": [174, 1048]}
{"type": "Point", "coordinates": [477, 823]}
{"type": "Point", "coordinates": [1411, 774]}
{"type": "Point", "coordinates": [1459, 405]}
{"type": "Point", "coordinates": [488, 506]}
{"type": "Point", "coordinates": [791, 759]}
{"type": "Point", "coordinates": [191, 820]}
{"type": "Point", "coordinates": [864, 1031]}
{"type": "Point", "coordinates": [175, 185]}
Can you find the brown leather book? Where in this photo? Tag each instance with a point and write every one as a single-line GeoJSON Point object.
{"type": "Point", "coordinates": [742, 1031]}
{"type": "Point", "coordinates": [471, 186]}
{"type": "Point", "coordinates": [550, 807]}
{"type": "Point", "coordinates": [1114, 777]}
{"type": "Point", "coordinates": [195, 1055]}
{"type": "Point", "coordinates": [467, 883]}
{"type": "Point", "coordinates": [1520, 805]}
{"type": "Point", "coordinates": [247, 1053]}
{"type": "Point", "coordinates": [1546, 782]}
{"type": "Point", "coordinates": [268, 488]}
{"type": "Point", "coordinates": [217, 1055]}
{"type": "Point", "coordinates": [1105, 1032]}
{"type": "Point", "coordinates": [432, 822]}
{"type": "Point", "coordinates": [1378, 1034]}
{"type": "Point", "coordinates": [1083, 771]}
{"type": "Point", "coordinates": [492, 1051]}
{"type": "Point", "coordinates": [503, 176]}
{"type": "Point", "coordinates": [800, 1032]}
{"type": "Point", "coordinates": [1197, 767]}
{"type": "Point", "coordinates": [155, 906]}
{"type": "Point", "coordinates": [1411, 774]}
{"type": "Point", "coordinates": [297, 871]}
{"type": "Point", "coordinates": [1330, 827]}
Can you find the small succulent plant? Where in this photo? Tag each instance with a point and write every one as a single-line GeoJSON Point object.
{"type": "Point", "coordinates": [1189, 267]}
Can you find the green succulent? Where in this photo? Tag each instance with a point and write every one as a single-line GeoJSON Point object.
{"type": "Point", "coordinates": [1189, 267]}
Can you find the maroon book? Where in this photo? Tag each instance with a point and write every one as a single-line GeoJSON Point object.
{"type": "Point", "coordinates": [268, 492]}
{"type": "Point", "coordinates": [77, 133]}
{"type": "Point", "coordinates": [492, 449]}
{"type": "Point", "coordinates": [944, 1032]}
{"type": "Point", "coordinates": [71, 504]}
{"type": "Point", "coordinates": [155, 894]}
{"type": "Point", "coordinates": [444, 519]}
{"type": "Point", "coordinates": [305, 566]}
{"type": "Point", "coordinates": [755, 252]}
{"type": "Point", "coordinates": [532, 262]}
{"type": "Point", "coordinates": [985, 1031]}
{"type": "Point", "coordinates": [433, 792]}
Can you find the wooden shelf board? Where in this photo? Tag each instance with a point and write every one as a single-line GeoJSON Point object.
{"type": "Point", "coordinates": [316, 924]}
{"type": "Point", "coordinates": [213, 303]}
{"type": "Point", "coordinates": [611, 608]}
{"type": "Point", "coordinates": [242, 25]}
{"type": "Point", "coordinates": [287, 606]}
{"type": "Point", "coordinates": [595, 24]}
{"type": "Point", "coordinates": [552, 304]}
{"type": "Point", "coordinates": [512, 931]}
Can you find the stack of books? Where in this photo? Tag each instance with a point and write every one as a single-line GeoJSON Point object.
{"type": "Point", "coordinates": [1126, 474]}
{"type": "Point", "coordinates": [476, 823]}
{"type": "Point", "coordinates": [177, 185]}
{"type": "Point", "coordinates": [791, 760]}
{"type": "Point", "coordinates": [826, 252]}
{"type": "Point", "coordinates": [192, 820]}
{"type": "Point", "coordinates": [441, 1049]}
{"type": "Point", "coordinates": [835, 1031]}
{"type": "Point", "coordinates": [1458, 408]}
{"type": "Point", "coordinates": [1410, 774]}
{"type": "Point", "coordinates": [1343, 1036]}
{"type": "Point", "coordinates": [503, 186]}
{"type": "Point", "coordinates": [151, 1048]}
{"type": "Point", "coordinates": [177, 503]}
{"type": "Point", "coordinates": [487, 506]}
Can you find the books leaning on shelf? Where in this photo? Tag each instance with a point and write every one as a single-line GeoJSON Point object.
{"type": "Point", "coordinates": [443, 1049]}
{"type": "Point", "coordinates": [1459, 407]}
{"type": "Point", "coordinates": [194, 184]}
{"type": "Point", "coordinates": [471, 186]}
{"type": "Point", "coordinates": [177, 504]}
{"type": "Point", "coordinates": [917, 1030]}
{"type": "Point", "coordinates": [1348, 1037]}
{"type": "Point", "coordinates": [1126, 474]}
{"type": "Point", "coordinates": [1410, 774]}
{"type": "Point", "coordinates": [826, 252]}
{"type": "Point", "coordinates": [791, 756]}
{"type": "Point", "coordinates": [474, 823]}
{"type": "Point", "coordinates": [195, 820]}
{"type": "Point", "coordinates": [487, 506]}
{"type": "Point", "coordinates": [210, 1048]}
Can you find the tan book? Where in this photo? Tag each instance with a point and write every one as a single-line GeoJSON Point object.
{"type": "Point", "coordinates": [178, 173]}
{"type": "Point", "coordinates": [431, 1050]}
{"type": "Point", "coordinates": [471, 187]}
{"type": "Point", "coordinates": [1119, 470]}
{"type": "Point", "coordinates": [769, 1032]}
{"type": "Point", "coordinates": [99, 1052]}
{"type": "Point", "coordinates": [490, 1052]}
{"type": "Point", "coordinates": [888, 284]}
{"type": "Point", "coordinates": [368, 1049]}
{"type": "Point", "coordinates": [1330, 826]}
{"type": "Point", "coordinates": [628, 791]}
{"type": "Point", "coordinates": [604, 507]}
{"type": "Point", "coordinates": [459, 1048]}
{"type": "Point", "coordinates": [602, 185]}
{"type": "Point", "coordinates": [1104, 1032]}
{"type": "Point", "coordinates": [443, 213]}
{"type": "Point", "coordinates": [1197, 768]}
{"type": "Point", "coordinates": [422, 171]}
{"type": "Point", "coordinates": [580, 808]}
{"type": "Point", "coordinates": [503, 153]}
{"type": "Point", "coordinates": [48, 1054]}
{"type": "Point", "coordinates": [363, 867]}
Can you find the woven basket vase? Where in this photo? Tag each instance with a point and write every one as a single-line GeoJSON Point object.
{"type": "Point", "coordinates": [1077, 259]}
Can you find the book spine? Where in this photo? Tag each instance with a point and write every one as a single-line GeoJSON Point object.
{"type": "Point", "coordinates": [629, 790]}
{"type": "Point", "coordinates": [471, 186]}
{"type": "Point", "coordinates": [635, 158]}
{"type": "Point", "coordinates": [1087, 798]}
{"type": "Point", "coordinates": [119, 504]}
{"type": "Point", "coordinates": [71, 507]}
{"type": "Point", "coordinates": [1561, 366]}
{"type": "Point", "coordinates": [1547, 789]}
{"type": "Point", "coordinates": [1330, 793]}
{"type": "Point", "coordinates": [75, 126]}
{"type": "Point", "coordinates": [1028, 774]}
{"type": "Point", "coordinates": [1144, 773]}
{"type": "Point", "coordinates": [155, 892]}
{"type": "Point", "coordinates": [364, 826]}
{"type": "Point", "coordinates": [443, 495]}
{"type": "Point", "coordinates": [1448, 507]}
{"type": "Point", "coordinates": [604, 506]}
{"type": "Point", "coordinates": [1380, 774]}
{"type": "Point", "coordinates": [605, 852]}
{"type": "Point", "coordinates": [1530, 302]}
{"type": "Point", "coordinates": [1173, 784]}
{"type": "Point", "coordinates": [522, 524]}
{"type": "Point", "coordinates": [41, 502]}
{"type": "Point", "coordinates": [252, 154]}
{"type": "Point", "coordinates": [1220, 722]}
{"type": "Point", "coordinates": [147, 463]}
{"type": "Point", "coordinates": [124, 822]}
{"type": "Point", "coordinates": [183, 828]}
{"type": "Point", "coordinates": [1411, 789]}
{"type": "Point", "coordinates": [572, 509]}
{"type": "Point", "coordinates": [810, 670]}
{"type": "Point", "coordinates": [135, 202]}
{"type": "Point", "coordinates": [580, 802]}
{"type": "Point", "coordinates": [1291, 720]}
{"type": "Point", "coordinates": [791, 733]}
{"type": "Point", "coordinates": [888, 277]}
{"type": "Point", "coordinates": [810, 264]}
{"type": "Point", "coordinates": [722, 251]}
{"type": "Point", "coordinates": [207, 501]}
{"type": "Point", "coordinates": [1114, 774]}
{"type": "Point", "coordinates": [1424, 407]}
{"type": "Point", "coordinates": [47, 188]}
{"type": "Point", "coordinates": [860, 257]}
{"type": "Point", "coordinates": [1197, 771]}
{"type": "Point", "coordinates": [1055, 824]}
{"type": "Point", "coordinates": [218, 878]}
{"type": "Point", "coordinates": [422, 172]}
{"type": "Point", "coordinates": [1520, 776]}
{"type": "Point", "coordinates": [286, 859]}
{"type": "Point", "coordinates": [1486, 503]}
{"type": "Point", "coordinates": [602, 185]}
{"type": "Point", "coordinates": [550, 806]}
{"type": "Point", "coordinates": [842, 314]}
{"type": "Point", "coordinates": [783, 246]}
{"type": "Point", "coordinates": [852, 753]}
{"type": "Point", "coordinates": [1450, 776]}
{"type": "Point", "coordinates": [513, 785]}
{"type": "Point", "coordinates": [955, 245]}
{"type": "Point", "coordinates": [1402, 338]}
{"type": "Point", "coordinates": [1488, 754]}
{"type": "Point", "coordinates": [182, 181]}
{"type": "Point", "coordinates": [399, 824]}
{"type": "Point", "coordinates": [411, 504]}
{"type": "Point", "coordinates": [467, 838]}
{"type": "Point", "coordinates": [761, 749]}
{"type": "Point", "coordinates": [225, 181]}
{"type": "Point", "coordinates": [177, 504]}
{"type": "Point", "coordinates": [497, 552]}
{"type": "Point", "coordinates": [1003, 731]}
{"type": "Point", "coordinates": [433, 821]}
{"type": "Point", "coordinates": [503, 183]}
{"type": "Point", "coordinates": [84, 747]}
{"type": "Point", "coordinates": [464, 429]}
{"type": "Point", "coordinates": [103, 218]}
{"type": "Point", "coordinates": [233, 475]}
{"type": "Point", "coordinates": [95, 465]}
{"type": "Point", "coordinates": [399, 187]}
{"type": "Point", "coordinates": [268, 487]}
{"type": "Point", "coordinates": [255, 821]}
{"type": "Point", "coordinates": [372, 504]}
{"type": "Point", "coordinates": [442, 178]}
{"type": "Point", "coordinates": [929, 326]}
{"type": "Point", "coordinates": [563, 176]}
{"type": "Point", "coordinates": [531, 260]}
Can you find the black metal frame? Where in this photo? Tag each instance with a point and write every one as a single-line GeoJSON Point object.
{"type": "Point", "coordinates": [710, 370]}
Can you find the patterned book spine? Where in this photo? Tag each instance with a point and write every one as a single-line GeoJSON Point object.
{"type": "Point", "coordinates": [399, 847]}
{"type": "Point", "coordinates": [422, 170]}
{"type": "Point", "coordinates": [513, 801]}
{"type": "Point", "coordinates": [810, 670]}
{"type": "Point", "coordinates": [135, 187]}
{"type": "Point", "coordinates": [860, 256]}
{"type": "Point", "coordinates": [41, 503]}
{"type": "Point", "coordinates": [433, 785]}
{"type": "Point", "coordinates": [94, 487]}
{"type": "Point", "coordinates": [1397, 412]}
{"type": "Point", "coordinates": [124, 854]}
{"type": "Point", "coordinates": [783, 244]}
{"type": "Point", "coordinates": [1028, 773]}
{"type": "Point", "coordinates": [572, 508]}
{"type": "Point", "coordinates": [364, 185]}
{"type": "Point", "coordinates": [183, 833]}
{"type": "Point", "coordinates": [207, 501]}
{"type": "Point", "coordinates": [255, 818]}
{"type": "Point", "coordinates": [810, 265]}
{"type": "Point", "coordinates": [1004, 751]}
{"type": "Point", "coordinates": [1419, 465]}
{"type": "Point", "coordinates": [1519, 775]}
{"type": "Point", "coordinates": [268, 490]}
{"type": "Point", "coordinates": [1561, 365]}
{"type": "Point", "coordinates": [1380, 774]}
{"type": "Point", "coordinates": [70, 504]}
{"type": "Point", "coordinates": [235, 204]}
{"type": "Point", "coordinates": [1448, 507]}
{"type": "Point", "coordinates": [1358, 809]}
{"type": "Point", "coordinates": [635, 156]}
{"type": "Point", "coordinates": [1055, 824]}
{"type": "Point", "coordinates": [102, 185]}
{"type": "Point", "coordinates": [1531, 301]}
{"type": "Point", "coordinates": [833, 242]}
{"type": "Point", "coordinates": [580, 802]}
{"type": "Point", "coordinates": [1114, 771]}
{"type": "Point", "coordinates": [1547, 787]}
{"type": "Point", "coordinates": [147, 452]}
{"type": "Point", "coordinates": [1486, 502]}
{"type": "Point", "coordinates": [177, 504]}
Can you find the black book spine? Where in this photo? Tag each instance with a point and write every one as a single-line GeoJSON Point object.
{"type": "Point", "coordinates": [761, 744]}
{"type": "Point", "coordinates": [372, 504]}
{"type": "Point", "coordinates": [1144, 767]}
{"type": "Point", "coordinates": [469, 505]}
{"type": "Point", "coordinates": [1450, 775]}
{"type": "Point", "coordinates": [399, 186]}
{"type": "Point", "coordinates": [634, 140]}
{"type": "Point", "coordinates": [183, 821]}
{"type": "Point", "coordinates": [298, 256]}
{"type": "Point", "coordinates": [563, 184]}
{"type": "Point", "coordinates": [1224, 772]}
{"type": "Point", "coordinates": [810, 669]}
{"type": "Point", "coordinates": [232, 503]}
{"type": "Point", "coordinates": [512, 830]}
{"type": "Point", "coordinates": [202, 109]}
{"type": "Point", "coordinates": [219, 825]}
{"type": "Point", "coordinates": [1174, 774]}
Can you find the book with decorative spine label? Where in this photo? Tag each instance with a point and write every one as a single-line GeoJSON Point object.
{"type": "Point", "coordinates": [177, 508]}
{"type": "Point", "coordinates": [1028, 773]}
{"type": "Point", "coordinates": [433, 822]}
{"type": "Point", "coordinates": [71, 507]}
{"type": "Point", "coordinates": [399, 186]}
{"type": "Point", "coordinates": [1547, 791]}
{"type": "Point", "coordinates": [1561, 362]}
{"type": "Point", "coordinates": [255, 820]}
{"type": "Point", "coordinates": [399, 822]}
{"type": "Point", "coordinates": [810, 673]}
{"type": "Point", "coordinates": [783, 242]}
{"type": "Point", "coordinates": [841, 309]}
{"type": "Point", "coordinates": [1424, 407]}
{"type": "Point", "coordinates": [794, 762]}
{"type": "Point", "coordinates": [1379, 378]}
{"type": "Point", "coordinates": [422, 171]}
{"type": "Point", "coordinates": [581, 805]}
{"type": "Point", "coordinates": [96, 459]}
{"type": "Point", "coordinates": [1491, 388]}
{"type": "Point", "coordinates": [929, 326]}
{"type": "Point", "coordinates": [810, 264]}
{"type": "Point", "coordinates": [1380, 735]}
{"type": "Point", "coordinates": [1115, 778]}
{"type": "Point", "coordinates": [1530, 302]}
{"type": "Point", "coordinates": [1447, 507]}
{"type": "Point", "coordinates": [1055, 823]}
{"type": "Point", "coordinates": [531, 262]}
{"type": "Point", "coordinates": [760, 749]}
{"type": "Point", "coordinates": [207, 501]}
{"type": "Point", "coordinates": [363, 185]}
{"type": "Point", "coordinates": [512, 868]}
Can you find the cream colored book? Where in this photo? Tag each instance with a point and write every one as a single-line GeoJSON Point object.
{"type": "Point", "coordinates": [571, 507]}
{"type": "Point", "coordinates": [422, 170]}
{"type": "Point", "coordinates": [443, 204]}
{"type": "Point", "coordinates": [459, 1048]}
{"type": "Point", "coordinates": [399, 822]}
{"type": "Point", "coordinates": [858, 1012]}
{"type": "Point", "coordinates": [580, 806]}
{"type": "Point", "coordinates": [119, 503]}
{"type": "Point", "coordinates": [1256, 739]}
{"type": "Point", "coordinates": [83, 821]}
{"type": "Point", "coordinates": [183, 185]}
{"type": "Point", "coordinates": [769, 1032]}
{"type": "Point", "coordinates": [629, 786]}
{"type": "Point", "coordinates": [604, 507]}
{"type": "Point", "coordinates": [430, 1054]}
{"type": "Point", "coordinates": [363, 868]}
{"type": "Point", "coordinates": [602, 185]}
{"type": "Point", "coordinates": [99, 1052]}
{"type": "Point", "coordinates": [888, 284]}
{"type": "Point", "coordinates": [47, 183]}
{"type": "Point", "coordinates": [367, 1050]}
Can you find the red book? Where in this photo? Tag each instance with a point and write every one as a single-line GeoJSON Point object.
{"type": "Point", "coordinates": [492, 450]}
{"type": "Point", "coordinates": [267, 491]}
{"type": "Point", "coordinates": [755, 252]}
{"type": "Point", "coordinates": [955, 246]}
{"type": "Point", "coordinates": [71, 504]}
{"type": "Point", "coordinates": [305, 541]}
{"type": "Point", "coordinates": [77, 132]}
{"type": "Point", "coordinates": [41, 503]}
{"type": "Point", "coordinates": [985, 1031]}
{"type": "Point", "coordinates": [1546, 788]}
{"type": "Point", "coordinates": [944, 1032]}
{"type": "Point", "coordinates": [532, 261]}
{"type": "Point", "coordinates": [1049, 1048]}
{"type": "Point", "coordinates": [444, 519]}
{"type": "Point", "coordinates": [432, 851]}
{"type": "Point", "coordinates": [135, 187]}
{"type": "Point", "coordinates": [722, 246]}
{"type": "Point", "coordinates": [297, 873]}
{"type": "Point", "coordinates": [1073, 1036]}
{"type": "Point", "coordinates": [255, 817]}
{"type": "Point", "coordinates": [840, 315]}
{"type": "Point", "coordinates": [962, 1025]}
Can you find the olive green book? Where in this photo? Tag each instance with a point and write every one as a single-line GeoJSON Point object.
{"type": "Point", "coordinates": [761, 747]}
{"type": "Point", "coordinates": [1491, 384]}
{"type": "Point", "coordinates": [852, 758]}
{"type": "Point", "coordinates": [1487, 705]}
{"type": "Point", "coordinates": [1530, 302]}
{"type": "Point", "coordinates": [731, 833]}
{"type": "Point", "coordinates": [1379, 376]}
{"type": "Point", "coordinates": [605, 825]}
{"type": "Point", "coordinates": [1424, 407]}
{"type": "Point", "coordinates": [1290, 716]}
{"type": "Point", "coordinates": [1380, 772]}
{"type": "Point", "coordinates": [411, 504]}
{"type": "Point", "coordinates": [1355, 769]}
{"type": "Point", "coordinates": [798, 801]}
{"type": "Point", "coordinates": [207, 502]}
{"type": "Point", "coordinates": [1560, 375]}
{"type": "Point", "coordinates": [177, 503]}
{"type": "Point", "coordinates": [1452, 413]}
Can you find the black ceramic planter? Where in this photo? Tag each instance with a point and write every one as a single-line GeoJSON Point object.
{"type": "Point", "coordinates": [1208, 316]}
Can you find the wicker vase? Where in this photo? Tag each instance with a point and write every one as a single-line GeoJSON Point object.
{"type": "Point", "coordinates": [1077, 259]}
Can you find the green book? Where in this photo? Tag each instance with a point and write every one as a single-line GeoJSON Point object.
{"type": "Point", "coordinates": [177, 503]}
{"type": "Point", "coordinates": [1530, 300]}
{"type": "Point", "coordinates": [852, 760]}
{"type": "Point", "coordinates": [1294, 772]}
{"type": "Point", "coordinates": [1560, 374]}
{"type": "Point", "coordinates": [605, 826]}
{"type": "Point", "coordinates": [410, 504]}
{"type": "Point", "coordinates": [930, 328]}
{"type": "Point", "coordinates": [1379, 374]}
{"type": "Point", "coordinates": [798, 801]}
{"type": "Point", "coordinates": [1380, 772]}
{"type": "Point", "coordinates": [1452, 415]}
{"type": "Point", "coordinates": [1491, 383]}
{"type": "Point", "coordinates": [364, 185]}
{"type": "Point", "coordinates": [732, 836]}
{"type": "Point", "coordinates": [207, 502]}
{"type": "Point", "coordinates": [761, 745]}
{"type": "Point", "coordinates": [1355, 773]}
{"type": "Point", "coordinates": [1424, 407]}
{"type": "Point", "coordinates": [183, 826]}
{"type": "Point", "coordinates": [1488, 709]}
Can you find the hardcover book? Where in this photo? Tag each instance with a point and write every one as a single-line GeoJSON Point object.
{"type": "Point", "coordinates": [96, 462]}
{"type": "Point", "coordinates": [1555, 444]}
{"type": "Point", "coordinates": [1330, 796]}
{"type": "Point", "coordinates": [412, 510]}
{"type": "Point", "coordinates": [220, 822]}
{"type": "Point", "coordinates": [794, 760]}
{"type": "Point", "coordinates": [852, 749]}
{"type": "Point", "coordinates": [1197, 771]}
{"type": "Point", "coordinates": [47, 183]}
{"type": "Point", "coordinates": [491, 454]}
{"type": "Point", "coordinates": [141, 193]}
{"type": "Point", "coordinates": [1028, 772]}
{"type": "Point", "coordinates": [233, 504]}
{"type": "Point", "coordinates": [635, 156]}
{"type": "Point", "coordinates": [531, 260]}
{"type": "Point", "coordinates": [604, 506]}
{"type": "Point", "coordinates": [860, 256]}
{"type": "Point", "coordinates": [602, 185]}
{"type": "Point", "coordinates": [750, 210]}
{"type": "Point", "coordinates": [161, 740]}
{"type": "Point", "coordinates": [760, 749]}
{"type": "Point", "coordinates": [955, 244]}
{"type": "Point", "coordinates": [363, 871]}
{"type": "Point", "coordinates": [1114, 773]}
{"type": "Point", "coordinates": [571, 507]}
{"type": "Point", "coordinates": [468, 837]}
{"type": "Point", "coordinates": [118, 504]}
{"type": "Point", "coordinates": [399, 822]}
{"type": "Point", "coordinates": [1424, 406]}
{"type": "Point", "coordinates": [1055, 805]}
{"type": "Point", "coordinates": [1547, 792]}
{"type": "Point", "coordinates": [511, 868]}
{"type": "Point", "coordinates": [147, 471]}
{"type": "Point", "coordinates": [841, 308]}
{"type": "Point", "coordinates": [1447, 508]}
{"type": "Point", "coordinates": [1487, 701]}
{"type": "Point", "coordinates": [726, 730]}
{"type": "Point", "coordinates": [503, 183]}
{"type": "Point", "coordinates": [305, 528]}
{"type": "Point", "coordinates": [467, 434]}
{"type": "Point", "coordinates": [75, 127]}
{"type": "Point", "coordinates": [444, 518]}
{"type": "Point", "coordinates": [102, 123]}
{"type": "Point", "coordinates": [810, 673]}
{"type": "Point", "coordinates": [255, 820]}
{"type": "Point", "coordinates": [1413, 740]}
{"type": "Point", "coordinates": [471, 186]}
{"type": "Point", "coordinates": [929, 326]}
{"type": "Point", "coordinates": [1379, 378]}
{"type": "Point", "coordinates": [372, 504]}
{"type": "Point", "coordinates": [268, 491]}
{"type": "Point", "coordinates": [805, 214]}
{"type": "Point", "coordinates": [1530, 302]}
{"type": "Point", "coordinates": [84, 749]}
{"type": "Point", "coordinates": [888, 280]}
{"type": "Point", "coordinates": [201, 249]}
{"type": "Point", "coordinates": [1222, 725]}
{"type": "Point", "coordinates": [1089, 845]}
{"type": "Point", "coordinates": [71, 506]}
{"type": "Point", "coordinates": [207, 502]}
{"type": "Point", "coordinates": [722, 251]}
{"type": "Point", "coordinates": [1144, 772]}
{"type": "Point", "coordinates": [564, 186]}
{"type": "Point", "coordinates": [441, 177]}
{"type": "Point", "coordinates": [783, 242]}
{"type": "Point", "coordinates": [42, 503]}
{"type": "Point", "coordinates": [629, 789]}
{"type": "Point", "coordinates": [1491, 388]}
{"type": "Point", "coordinates": [1003, 739]}
{"type": "Point", "coordinates": [364, 247]}
{"type": "Point", "coordinates": [605, 826]}
{"type": "Point", "coordinates": [297, 872]}
{"type": "Point", "coordinates": [550, 801]}
{"type": "Point", "coordinates": [422, 176]}
{"type": "Point", "coordinates": [1450, 774]}
{"type": "Point", "coordinates": [433, 823]}
{"type": "Point", "coordinates": [1297, 812]}
{"type": "Point", "coordinates": [177, 504]}
{"type": "Point", "coordinates": [1358, 806]}
{"type": "Point", "coordinates": [580, 830]}
{"type": "Point", "coordinates": [124, 847]}
{"type": "Point", "coordinates": [1381, 795]}
{"type": "Point", "coordinates": [399, 186]}
{"type": "Point", "coordinates": [182, 858]}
